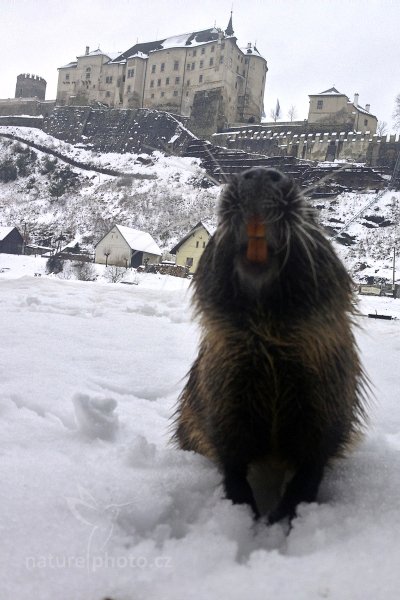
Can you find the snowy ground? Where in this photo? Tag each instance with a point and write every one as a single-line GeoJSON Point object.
{"type": "Point", "coordinates": [95, 503]}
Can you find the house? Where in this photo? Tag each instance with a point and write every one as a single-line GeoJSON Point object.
{"type": "Point", "coordinates": [11, 241]}
{"type": "Point", "coordinates": [333, 108]}
{"type": "Point", "coordinates": [126, 247]}
{"type": "Point", "coordinates": [172, 74]}
{"type": "Point", "coordinates": [190, 248]}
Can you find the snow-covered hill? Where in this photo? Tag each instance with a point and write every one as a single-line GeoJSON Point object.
{"type": "Point", "coordinates": [96, 503]}
{"type": "Point", "coordinates": [165, 196]}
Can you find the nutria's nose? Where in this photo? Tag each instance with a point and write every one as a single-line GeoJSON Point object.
{"type": "Point", "coordinates": [263, 173]}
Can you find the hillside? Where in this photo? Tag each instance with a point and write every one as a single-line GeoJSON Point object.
{"type": "Point", "coordinates": [165, 196]}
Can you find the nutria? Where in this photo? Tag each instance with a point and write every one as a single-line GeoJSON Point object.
{"type": "Point", "coordinates": [277, 376]}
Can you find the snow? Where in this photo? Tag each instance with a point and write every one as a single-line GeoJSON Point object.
{"type": "Point", "coordinates": [96, 503]}
{"type": "Point", "coordinates": [4, 231]}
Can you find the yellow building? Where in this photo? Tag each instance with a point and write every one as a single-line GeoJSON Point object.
{"type": "Point", "coordinates": [333, 108]}
{"type": "Point", "coordinates": [190, 248]}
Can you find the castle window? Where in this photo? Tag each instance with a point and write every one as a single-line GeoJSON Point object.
{"type": "Point", "coordinates": [203, 50]}
{"type": "Point", "coordinates": [109, 79]}
{"type": "Point", "coordinates": [188, 67]}
{"type": "Point", "coordinates": [194, 52]}
{"type": "Point", "coordinates": [222, 45]}
{"type": "Point", "coordinates": [221, 59]}
{"type": "Point", "coordinates": [365, 121]}
{"type": "Point", "coordinates": [152, 96]}
{"type": "Point", "coordinates": [162, 94]}
{"type": "Point", "coordinates": [176, 65]}
{"type": "Point", "coordinates": [246, 61]}
{"type": "Point", "coordinates": [158, 82]}
{"type": "Point", "coordinates": [188, 83]}
{"type": "Point", "coordinates": [211, 62]}
{"type": "Point", "coordinates": [175, 92]}
{"type": "Point", "coordinates": [152, 83]}
{"type": "Point", "coordinates": [131, 72]}
{"type": "Point", "coordinates": [197, 244]}
{"type": "Point", "coordinates": [201, 79]}
{"type": "Point", "coordinates": [204, 244]}
{"type": "Point", "coordinates": [320, 104]}
{"type": "Point", "coordinates": [67, 77]}
{"type": "Point", "coordinates": [88, 75]}
{"type": "Point", "coordinates": [153, 68]}
{"type": "Point", "coordinates": [193, 66]}
{"type": "Point", "coordinates": [167, 81]}
{"type": "Point", "coordinates": [162, 68]}
{"type": "Point", "coordinates": [108, 94]}
{"type": "Point", "coordinates": [177, 80]}
{"type": "Point", "coordinates": [201, 64]}
{"type": "Point", "coordinates": [212, 48]}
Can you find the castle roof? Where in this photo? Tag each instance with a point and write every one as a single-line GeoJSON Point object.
{"type": "Point", "coordinates": [331, 92]}
{"type": "Point", "coordinates": [185, 39]}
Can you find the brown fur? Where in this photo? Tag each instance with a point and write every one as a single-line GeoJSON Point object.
{"type": "Point", "coordinates": [278, 376]}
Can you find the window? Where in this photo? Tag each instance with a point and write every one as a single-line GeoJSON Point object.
{"type": "Point", "coordinates": [320, 104]}
{"type": "Point", "coordinates": [201, 79]}
{"type": "Point", "coordinates": [153, 68]}
{"type": "Point", "coordinates": [167, 81]}
{"type": "Point", "coordinates": [152, 96]}
{"type": "Point", "coordinates": [108, 94]}
{"type": "Point", "coordinates": [109, 79]}
{"type": "Point", "coordinates": [67, 77]}
{"type": "Point", "coordinates": [212, 48]}
{"type": "Point", "coordinates": [158, 82]}
{"type": "Point", "coordinates": [203, 50]}
{"type": "Point", "coordinates": [188, 67]}
{"type": "Point", "coordinates": [175, 92]}
{"type": "Point", "coordinates": [152, 83]}
{"type": "Point", "coordinates": [204, 244]}
{"type": "Point", "coordinates": [211, 62]}
{"type": "Point", "coordinates": [177, 80]}
{"type": "Point", "coordinates": [87, 74]}
{"type": "Point", "coordinates": [176, 65]}
{"type": "Point", "coordinates": [193, 66]}
{"type": "Point", "coordinates": [201, 64]}
{"type": "Point", "coordinates": [221, 59]}
{"type": "Point", "coordinates": [129, 89]}
{"type": "Point", "coordinates": [162, 68]}
{"type": "Point", "coordinates": [194, 52]}
{"type": "Point", "coordinates": [222, 45]}
{"type": "Point", "coordinates": [131, 72]}
{"type": "Point", "coordinates": [197, 244]}
{"type": "Point", "coordinates": [365, 121]}
{"type": "Point", "coordinates": [188, 83]}
{"type": "Point", "coordinates": [162, 94]}
{"type": "Point", "coordinates": [189, 262]}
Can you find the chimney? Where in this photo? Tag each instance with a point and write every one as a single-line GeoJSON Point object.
{"type": "Point", "coordinates": [87, 50]}
{"type": "Point", "coordinates": [356, 99]}
{"type": "Point", "coordinates": [367, 107]}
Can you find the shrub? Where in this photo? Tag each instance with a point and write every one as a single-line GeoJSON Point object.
{"type": "Point", "coordinates": [8, 171]}
{"type": "Point", "coordinates": [114, 274]}
{"type": "Point", "coordinates": [54, 265]}
{"type": "Point", "coordinates": [85, 271]}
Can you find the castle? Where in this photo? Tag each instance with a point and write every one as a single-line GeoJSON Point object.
{"type": "Point", "coordinates": [180, 75]}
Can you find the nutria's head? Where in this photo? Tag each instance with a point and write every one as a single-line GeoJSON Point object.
{"type": "Point", "coordinates": [259, 211]}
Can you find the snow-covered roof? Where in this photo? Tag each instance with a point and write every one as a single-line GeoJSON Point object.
{"type": "Point", "coordinates": [69, 65]}
{"type": "Point", "coordinates": [331, 92]}
{"type": "Point", "coordinates": [4, 231]}
{"type": "Point", "coordinates": [139, 240]}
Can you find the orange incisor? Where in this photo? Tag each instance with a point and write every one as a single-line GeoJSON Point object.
{"type": "Point", "coordinates": [257, 248]}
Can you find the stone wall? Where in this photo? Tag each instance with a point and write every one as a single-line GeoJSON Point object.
{"type": "Point", "coordinates": [26, 106]}
{"type": "Point", "coordinates": [118, 130]}
{"type": "Point", "coordinates": [376, 151]}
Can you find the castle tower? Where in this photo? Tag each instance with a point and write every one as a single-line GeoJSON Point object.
{"type": "Point", "coordinates": [30, 86]}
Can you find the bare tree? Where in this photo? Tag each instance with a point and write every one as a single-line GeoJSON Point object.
{"type": "Point", "coordinates": [292, 113]}
{"type": "Point", "coordinates": [107, 252]}
{"type": "Point", "coordinates": [276, 112]}
{"type": "Point", "coordinates": [381, 128]}
{"type": "Point", "coordinates": [396, 112]}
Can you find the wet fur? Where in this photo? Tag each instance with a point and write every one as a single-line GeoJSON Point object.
{"type": "Point", "coordinates": [277, 376]}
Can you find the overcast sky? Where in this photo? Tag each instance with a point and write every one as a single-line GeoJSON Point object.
{"type": "Point", "coordinates": [310, 45]}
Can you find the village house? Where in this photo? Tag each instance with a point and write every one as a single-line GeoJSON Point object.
{"type": "Point", "coordinates": [190, 248]}
{"type": "Point", "coordinates": [331, 107]}
{"type": "Point", "coordinates": [171, 74]}
{"type": "Point", "coordinates": [127, 247]}
{"type": "Point", "coordinates": [11, 241]}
